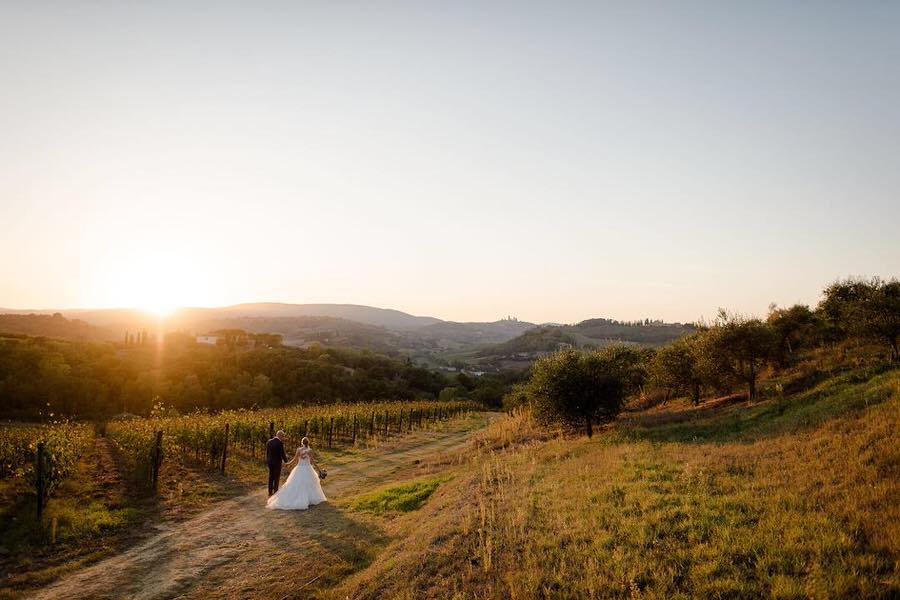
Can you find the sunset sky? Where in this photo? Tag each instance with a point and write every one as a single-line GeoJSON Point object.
{"type": "Point", "coordinates": [466, 160]}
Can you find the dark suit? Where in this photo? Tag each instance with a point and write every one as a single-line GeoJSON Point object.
{"type": "Point", "coordinates": [274, 457]}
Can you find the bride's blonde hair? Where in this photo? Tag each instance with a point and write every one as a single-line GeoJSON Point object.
{"type": "Point", "coordinates": [305, 442]}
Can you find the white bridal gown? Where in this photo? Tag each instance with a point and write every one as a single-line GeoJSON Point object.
{"type": "Point", "coordinates": [301, 489]}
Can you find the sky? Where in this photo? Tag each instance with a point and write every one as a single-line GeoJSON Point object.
{"type": "Point", "coordinates": [554, 160]}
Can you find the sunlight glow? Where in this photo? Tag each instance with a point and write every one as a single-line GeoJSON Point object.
{"type": "Point", "coordinates": [159, 282]}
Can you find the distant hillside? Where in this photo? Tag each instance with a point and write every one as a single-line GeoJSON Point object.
{"type": "Point", "coordinates": [450, 333]}
{"type": "Point", "coordinates": [652, 333]}
{"type": "Point", "coordinates": [540, 339]}
{"type": "Point", "coordinates": [589, 333]}
{"type": "Point", "coordinates": [304, 331]}
{"type": "Point", "coordinates": [54, 325]}
{"type": "Point", "coordinates": [381, 317]}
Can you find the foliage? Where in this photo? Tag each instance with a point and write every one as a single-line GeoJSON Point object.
{"type": "Point", "coordinates": [64, 443]}
{"type": "Point", "coordinates": [745, 343]}
{"type": "Point", "coordinates": [677, 367]}
{"type": "Point", "coordinates": [795, 328]}
{"type": "Point", "coordinates": [200, 437]}
{"type": "Point", "coordinates": [104, 379]}
{"type": "Point", "coordinates": [583, 388]}
{"type": "Point", "coordinates": [517, 397]}
{"type": "Point", "coordinates": [592, 333]}
{"type": "Point", "coordinates": [539, 339]}
{"type": "Point", "coordinates": [453, 393]}
{"type": "Point", "coordinates": [867, 308]}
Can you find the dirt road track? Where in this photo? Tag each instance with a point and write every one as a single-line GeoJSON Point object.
{"type": "Point", "coordinates": [238, 549]}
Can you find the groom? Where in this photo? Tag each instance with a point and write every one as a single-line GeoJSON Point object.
{"type": "Point", "coordinates": [274, 457]}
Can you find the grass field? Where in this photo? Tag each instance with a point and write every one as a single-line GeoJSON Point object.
{"type": "Point", "coordinates": [790, 498]}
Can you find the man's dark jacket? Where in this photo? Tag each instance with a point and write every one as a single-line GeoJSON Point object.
{"type": "Point", "coordinates": [274, 457]}
{"type": "Point", "coordinates": [275, 452]}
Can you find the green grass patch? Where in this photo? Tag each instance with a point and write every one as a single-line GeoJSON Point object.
{"type": "Point", "coordinates": [399, 498]}
{"type": "Point", "coordinates": [845, 393]}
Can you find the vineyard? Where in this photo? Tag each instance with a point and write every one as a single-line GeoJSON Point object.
{"type": "Point", "coordinates": [44, 454]}
{"type": "Point", "coordinates": [209, 439]}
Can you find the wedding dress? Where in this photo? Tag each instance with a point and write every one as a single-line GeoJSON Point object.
{"type": "Point", "coordinates": [301, 489]}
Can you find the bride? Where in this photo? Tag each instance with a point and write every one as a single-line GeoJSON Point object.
{"type": "Point", "coordinates": [302, 487]}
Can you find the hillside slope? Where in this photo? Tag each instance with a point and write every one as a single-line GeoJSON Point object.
{"type": "Point", "coordinates": [590, 333]}
{"type": "Point", "coordinates": [55, 326]}
{"type": "Point", "coordinates": [792, 499]}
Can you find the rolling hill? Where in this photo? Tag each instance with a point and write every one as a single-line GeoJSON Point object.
{"type": "Point", "coordinates": [587, 334]}
{"type": "Point", "coordinates": [54, 325]}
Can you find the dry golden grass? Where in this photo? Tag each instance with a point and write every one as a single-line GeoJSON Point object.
{"type": "Point", "coordinates": [794, 498]}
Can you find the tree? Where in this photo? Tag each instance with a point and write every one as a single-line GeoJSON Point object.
{"type": "Point", "coordinates": [581, 389]}
{"type": "Point", "coordinates": [452, 393]}
{"type": "Point", "coordinates": [465, 381]}
{"type": "Point", "coordinates": [488, 391]}
{"type": "Point", "coordinates": [518, 395]}
{"type": "Point", "coordinates": [867, 308]}
{"type": "Point", "coordinates": [794, 328]}
{"type": "Point", "coordinates": [745, 343]}
{"type": "Point", "coordinates": [676, 367]}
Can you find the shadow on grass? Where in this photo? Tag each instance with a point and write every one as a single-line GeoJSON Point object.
{"type": "Point", "coordinates": [94, 512]}
{"type": "Point", "coordinates": [747, 422]}
{"type": "Point", "coordinates": [352, 544]}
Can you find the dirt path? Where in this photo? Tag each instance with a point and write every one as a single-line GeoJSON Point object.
{"type": "Point", "coordinates": [241, 550]}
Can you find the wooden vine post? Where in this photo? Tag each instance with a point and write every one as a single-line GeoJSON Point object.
{"type": "Point", "coordinates": [39, 472]}
{"type": "Point", "coordinates": [354, 429]}
{"type": "Point", "coordinates": [157, 460]}
{"type": "Point", "coordinates": [330, 430]}
{"type": "Point", "coordinates": [386, 419]}
{"type": "Point", "coordinates": [225, 448]}
{"type": "Point", "coordinates": [271, 429]}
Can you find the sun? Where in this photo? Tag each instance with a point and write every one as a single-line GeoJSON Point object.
{"type": "Point", "coordinates": [159, 308]}
{"type": "Point", "coordinates": [160, 281]}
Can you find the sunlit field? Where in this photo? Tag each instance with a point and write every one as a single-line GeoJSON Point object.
{"type": "Point", "coordinates": [99, 482]}
{"type": "Point", "coordinates": [791, 498]}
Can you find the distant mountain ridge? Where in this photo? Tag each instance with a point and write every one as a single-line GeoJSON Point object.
{"type": "Point", "coordinates": [381, 317]}
{"type": "Point", "coordinates": [427, 340]}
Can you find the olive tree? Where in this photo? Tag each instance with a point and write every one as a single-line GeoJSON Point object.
{"type": "Point", "coordinates": [746, 345]}
{"type": "Point", "coordinates": [866, 307]}
{"type": "Point", "coordinates": [794, 328]}
{"type": "Point", "coordinates": [676, 367]}
{"type": "Point", "coordinates": [582, 389]}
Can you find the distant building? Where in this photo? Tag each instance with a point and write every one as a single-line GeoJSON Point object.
{"type": "Point", "coordinates": [211, 340]}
